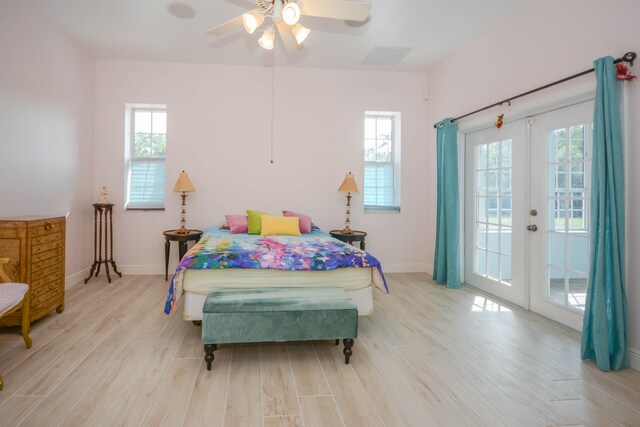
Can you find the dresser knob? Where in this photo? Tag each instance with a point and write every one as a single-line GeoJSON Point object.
{"type": "Point", "coordinates": [48, 226]}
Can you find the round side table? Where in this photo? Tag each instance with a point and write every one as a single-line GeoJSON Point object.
{"type": "Point", "coordinates": [354, 236]}
{"type": "Point", "coordinates": [182, 239]}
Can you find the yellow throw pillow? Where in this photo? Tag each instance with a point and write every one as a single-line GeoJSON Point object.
{"type": "Point", "coordinates": [280, 226]}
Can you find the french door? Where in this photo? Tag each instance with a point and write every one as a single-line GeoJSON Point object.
{"type": "Point", "coordinates": [495, 199]}
{"type": "Point", "coordinates": [527, 212]}
{"type": "Point", "coordinates": [561, 194]}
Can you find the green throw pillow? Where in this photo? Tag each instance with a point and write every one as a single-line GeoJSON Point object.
{"type": "Point", "coordinates": [255, 223]}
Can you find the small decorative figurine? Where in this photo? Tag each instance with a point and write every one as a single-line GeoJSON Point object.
{"type": "Point", "coordinates": [499, 121]}
{"type": "Point", "coordinates": [104, 195]}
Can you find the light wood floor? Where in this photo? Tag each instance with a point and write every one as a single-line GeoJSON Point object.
{"type": "Point", "coordinates": [427, 357]}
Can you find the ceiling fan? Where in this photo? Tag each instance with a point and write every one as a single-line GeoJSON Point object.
{"type": "Point", "coordinates": [285, 16]}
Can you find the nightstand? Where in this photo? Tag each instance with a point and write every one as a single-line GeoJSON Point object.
{"type": "Point", "coordinates": [354, 236]}
{"type": "Point", "coordinates": [182, 239]}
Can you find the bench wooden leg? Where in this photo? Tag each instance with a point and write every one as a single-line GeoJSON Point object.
{"type": "Point", "coordinates": [348, 343]}
{"type": "Point", "coordinates": [26, 319]}
{"type": "Point", "coordinates": [208, 356]}
{"type": "Point", "coordinates": [337, 341]}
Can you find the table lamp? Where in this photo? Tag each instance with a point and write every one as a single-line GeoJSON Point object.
{"type": "Point", "coordinates": [348, 186]}
{"type": "Point", "coordinates": [185, 186]}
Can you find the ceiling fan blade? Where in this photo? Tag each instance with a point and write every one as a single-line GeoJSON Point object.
{"type": "Point", "coordinates": [287, 38]}
{"type": "Point", "coordinates": [227, 26]}
{"type": "Point", "coordinates": [337, 9]}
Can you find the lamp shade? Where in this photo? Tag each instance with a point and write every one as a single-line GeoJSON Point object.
{"type": "Point", "coordinates": [184, 183]}
{"type": "Point", "coordinates": [266, 41]}
{"type": "Point", "coordinates": [251, 21]}
{"type": "Point", "coordinates": [291, 13]}
{"type": "Point", "coordinates": [300, 33]}
{"type": "Point", "coordinates": [349, 185]}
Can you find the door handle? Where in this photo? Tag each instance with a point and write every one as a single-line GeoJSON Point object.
{"type": "Point", "coordinates": [532, 227]}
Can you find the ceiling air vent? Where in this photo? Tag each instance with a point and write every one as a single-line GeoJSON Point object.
{"type": "Point", "coordinates": [381, 55]}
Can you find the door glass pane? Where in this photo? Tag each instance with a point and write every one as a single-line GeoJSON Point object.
{"type": "Point", "coordinates": [493, 216]}
{"type": "Point", "coordinates": [493, 265]}
{"type": "Point", "coordinates": [493, 239]}
{"type": "Point", "coordinates": [577, 290]}
{"type": "Point", "coordinates": [492, 210]}
{"type": "Point", "coordinates": [481, 183]}
{"type": "Point", "coordinates": [555, 290]}
{"type": "Point", "coordinates": [481, 262]}
{"type": "Point", "coordinates": [493, 156]}
{"type": "Point", "coordinates": [576, 147]}
{"type": "Point", "coordinates": [481, 205]}
{"type": "Point", "coordinates": [481, 236]}
{"type": "Point", "coordinates": [505, 240]}
{"type": "Point", "coordinates": [568, 197]}
{"type": "Point", "coordinates": [556, 248]}
{"type": "Point", "coordinates": [481, 157]}
{"type": "Point", "coordinates": [577, 256]}
{"type": "Point", "coordinates": [505, 269]}
{"type": "Point", "coordinates": [505, 156]}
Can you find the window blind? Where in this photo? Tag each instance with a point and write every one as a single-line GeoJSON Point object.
{"type": "Point", "coordinates": [146, 184]}
{"type": "Point", "coordinates": [379, 185]}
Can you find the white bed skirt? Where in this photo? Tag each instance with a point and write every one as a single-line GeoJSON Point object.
{"type": "Point", "coordinates": [194, 302]}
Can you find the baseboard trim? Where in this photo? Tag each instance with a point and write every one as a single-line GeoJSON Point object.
{"type": "Point", "coordinates": [76, 277]}
{"type": "Point", "coordinates": [146, 270]}
{"type": "Point", "coordinates": [634, 359]}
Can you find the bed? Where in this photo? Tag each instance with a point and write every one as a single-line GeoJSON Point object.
{"type": "Point", "coordinates": [222, 260]}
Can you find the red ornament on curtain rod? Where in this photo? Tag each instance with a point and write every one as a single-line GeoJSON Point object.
{"type": "Point", "coordinates": [623, 72]}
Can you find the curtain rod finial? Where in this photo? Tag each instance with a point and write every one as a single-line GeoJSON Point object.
{"type": "Point", "coordinates": [630, 57]}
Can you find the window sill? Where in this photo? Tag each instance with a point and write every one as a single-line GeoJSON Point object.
{"type": "Point", "coordinates": [382, 209]}
{"type": "Point", "coordinates": [144, 209]}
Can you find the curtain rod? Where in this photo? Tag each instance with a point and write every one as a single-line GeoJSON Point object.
{"type": "Point", "coordinates": [627, 57]}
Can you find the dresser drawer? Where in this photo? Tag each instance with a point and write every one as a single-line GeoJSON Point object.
{"type": "Point", "coordinates": [55, 277]}
{"type": "Point", "coordinates": [47, 238]}
{"type": "Point", "coordinates": [45, 227]}
{"type": "Point", "coordinates": [37, 266]}
{"type": "Point", "coordinates": [36, 249]}
{"type": "Point", "coordinates": [45, 298]}
{"type": "Point", "coordinates": [46, 255]}
{"type": "Point", "coordinates": [45, 272]}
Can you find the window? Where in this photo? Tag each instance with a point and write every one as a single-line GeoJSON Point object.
{"type": "Point", "coordinates": [381, 161]}
{"type": "Point", "coordinates": [146, 148]}
{"type": "Point", "coordinates": [568, 162]}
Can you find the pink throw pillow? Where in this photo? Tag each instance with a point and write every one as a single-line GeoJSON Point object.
{"type": "Point", "coordinates": [305, 221]}
{"type": "Point", "coordinates": [237, 223]}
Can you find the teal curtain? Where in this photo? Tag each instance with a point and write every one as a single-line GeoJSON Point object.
{"type": "Point", "coordinates": [446, 263]}
{"type": "Point", "coordinates": [604, 331]}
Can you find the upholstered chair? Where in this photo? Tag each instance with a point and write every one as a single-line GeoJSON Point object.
{"type": "Point", "coordinates": [13, 297]}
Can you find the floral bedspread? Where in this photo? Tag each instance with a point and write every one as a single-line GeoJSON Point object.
{"type": "Point", "coordinates": [316, 251]}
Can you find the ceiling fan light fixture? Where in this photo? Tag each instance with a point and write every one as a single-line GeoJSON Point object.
{"type": "Point", "coordinates": [291, 13]}
{"type": "Point", "coordinates": [266, 41]}
{"type": "Point", "coordinates": [251, 21]}
{"type": "Point", "coordinates": [300, 32]}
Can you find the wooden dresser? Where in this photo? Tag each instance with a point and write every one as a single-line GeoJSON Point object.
{"type": "Point", "coordinates": [35, 246]}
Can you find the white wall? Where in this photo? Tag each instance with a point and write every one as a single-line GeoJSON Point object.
{"type": "Point", "coordinates": [219, 124]}
{"type": "Point", "coordinates": [46, 125]}
{"type": "Point", "coordinates": [547, 40]}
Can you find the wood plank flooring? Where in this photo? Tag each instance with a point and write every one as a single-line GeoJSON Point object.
{"type": "Point", "coordinates": [428, 356]}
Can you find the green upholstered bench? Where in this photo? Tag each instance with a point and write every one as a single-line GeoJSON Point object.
{"type": "Point", "coordinates": [278, 314]}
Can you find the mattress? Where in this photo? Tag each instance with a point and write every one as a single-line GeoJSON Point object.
{"type": "Point", "coordinates": [203, 281]}
{"type": "Point", "coordinates": [355, 281]}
